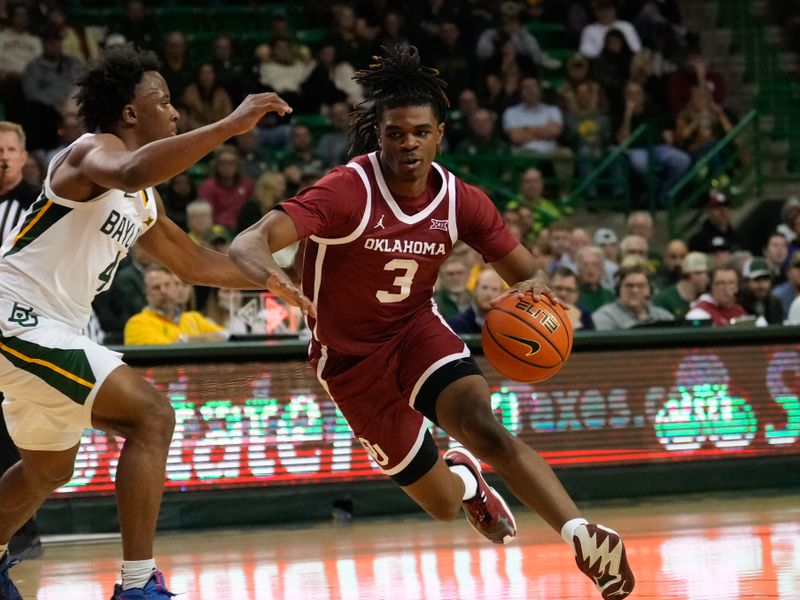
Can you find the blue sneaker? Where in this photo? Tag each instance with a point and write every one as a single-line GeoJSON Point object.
{"type": "Point", "coordinates": [8, 591]}
{"type": "Point", "coordinates": [156, 589]}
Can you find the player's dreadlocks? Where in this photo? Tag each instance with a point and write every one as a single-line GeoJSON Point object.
{"type": "Point", "coordinates": [396, 79]}
{"type": "Point", "coordinates": [110, 84]}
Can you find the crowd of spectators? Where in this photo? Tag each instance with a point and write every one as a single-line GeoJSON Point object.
{"type": "Point", "coordinates": [620, 65]}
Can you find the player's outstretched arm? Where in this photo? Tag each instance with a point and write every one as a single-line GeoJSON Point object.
{"type": "Point", "coordinates": [105, 161]}
{"type": "Point", "coordinates": [252, 250]}
{"type": "Point", "coordinates": [174, 249]}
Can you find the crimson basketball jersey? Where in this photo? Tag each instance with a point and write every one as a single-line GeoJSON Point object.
{"type": "Point", "coordinates": [372, 258]}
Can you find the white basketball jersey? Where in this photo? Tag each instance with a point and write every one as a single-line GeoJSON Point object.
{"type": "Point", "coordinates": [64, 253]}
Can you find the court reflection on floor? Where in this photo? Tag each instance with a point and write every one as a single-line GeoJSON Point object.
{"type": "Point", "coordinates": [417, 560]}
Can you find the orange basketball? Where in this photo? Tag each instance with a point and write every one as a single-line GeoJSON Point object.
{"type": "Point", "coordinates": [527, 340]}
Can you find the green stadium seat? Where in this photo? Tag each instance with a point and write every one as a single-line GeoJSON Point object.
{"type": "Point", "coordinates": [311, 36]}
{"type": "Point", "coordinates": [188, 19]}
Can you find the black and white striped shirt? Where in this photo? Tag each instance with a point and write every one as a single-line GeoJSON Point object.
{"type": "Point", "coordinates": [13, 206]}
{"type": "Point", "coordinates": [11, 213]}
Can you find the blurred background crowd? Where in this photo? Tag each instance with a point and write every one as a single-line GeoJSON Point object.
{"type": "Point", "coordinates": [588, 122]}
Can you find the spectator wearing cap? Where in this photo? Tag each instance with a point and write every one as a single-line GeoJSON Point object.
{"type": "Point", "coordinates": [670, 271]}
{"type": "Point", "coordinates": [756, 293]}
{"type": "Point", "coordinates": [632, 307]}
{"type": "Point", "coordinates": [717, 224]}
{"type": "Point", "coordinates": [693, 282]}
{"type": "Point", "coordinates": [719, 306]}
{"type": "Point", "coordinates": [776, 253]}
{"type": "Point", "coordinates": [593, 36]}
{"type": "Point", "coordinates": [789, 289]}
{"type": "Point", "coordinates": [593, 295]}
{"type": "Point", "coordinates": [578, 73]}
{"type": "Point", "coordinates": [720, 252]}
{"type": "Point", "coordinates": [606, 239]}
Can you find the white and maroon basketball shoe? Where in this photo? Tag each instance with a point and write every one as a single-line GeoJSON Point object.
{"type": "Point", "coordinates": [600, 555]}
{"type": "Point", "coordinates": [487, 512]}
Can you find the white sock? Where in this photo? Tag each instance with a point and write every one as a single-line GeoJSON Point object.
{"type": "Point", "coordinates": [468, 477]}
{"type": "Point", "coordinates": [136, 573]}
{"type": "Point", "coordinates": [568, 529]}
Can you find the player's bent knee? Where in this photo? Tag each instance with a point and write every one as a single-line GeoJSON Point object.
{"type": "Point", "coordinates": [49, 477]}
{"type": "Point", "coordinates": [157, 420]}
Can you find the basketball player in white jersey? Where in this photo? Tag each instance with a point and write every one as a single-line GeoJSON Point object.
{"type": "Point", "coordinates": [98, 199]}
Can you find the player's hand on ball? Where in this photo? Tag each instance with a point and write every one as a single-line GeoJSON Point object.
{"type": "Point", "coordinates": [532, 287]}
{"type": "Point", "coordinates": [281, 286]}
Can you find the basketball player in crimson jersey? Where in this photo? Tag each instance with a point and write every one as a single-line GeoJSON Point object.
{"type": "Point", "coordinates": [377, 230]}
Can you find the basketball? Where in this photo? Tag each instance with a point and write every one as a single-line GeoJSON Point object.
{"type": "Point", "coordinates": [527, 340]}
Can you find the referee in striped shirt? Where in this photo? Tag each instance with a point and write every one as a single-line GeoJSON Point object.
{"type": "Point", "coordinates": [16, 196]}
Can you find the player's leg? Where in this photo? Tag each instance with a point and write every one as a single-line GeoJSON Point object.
{"type": "Point", "coordinates": [23, 489]}
{"type": "Point", "coordinates": [26, 485]}
{"type": "Point", "coordinates": [393, 433]}
{"type": "Point", "coordinates": [130, 407]}
{"type": "Point", "coordinates": [464, 411]}
{"type": "Point", "coordinates": [25, 543]}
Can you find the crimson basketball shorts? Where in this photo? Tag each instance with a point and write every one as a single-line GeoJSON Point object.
{"type": "Point", "coordinates": [387, 396]}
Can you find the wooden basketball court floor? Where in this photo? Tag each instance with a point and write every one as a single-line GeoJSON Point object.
{"type": "Point", "coordinates": [705, 547]}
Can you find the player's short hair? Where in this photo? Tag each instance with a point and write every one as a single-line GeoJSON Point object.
{"type": "Point", "coordinates": [110, 83]}
{"type": "Point", "coordinates": [394, 80]}
{"type": "Point", "coordinates": [10, 126]}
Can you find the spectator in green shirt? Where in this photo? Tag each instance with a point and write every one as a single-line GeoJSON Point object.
{"type": "Point", "coordinates": [531, 190]}
{"type": "Point", "coordinates": [693, 282]}
{"type": "Point", "coordinates": [590, 275]}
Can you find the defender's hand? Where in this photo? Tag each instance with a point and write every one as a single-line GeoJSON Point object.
{"type": "Point", "coordinates": [252, 108]}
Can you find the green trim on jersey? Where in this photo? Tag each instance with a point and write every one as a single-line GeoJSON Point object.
{"type": "Point", "coordinates": [44, 214]}
{"type": "Point", "coordinates": [68, 371]}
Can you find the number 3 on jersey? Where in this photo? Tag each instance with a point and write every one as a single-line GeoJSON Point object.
{"type": "Point", "coordinates": [403, 280]}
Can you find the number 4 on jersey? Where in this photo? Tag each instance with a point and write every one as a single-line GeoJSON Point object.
{"type": "Point", "coordinates": [108, 273]}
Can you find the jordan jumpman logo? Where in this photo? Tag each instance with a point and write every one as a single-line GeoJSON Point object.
{"type": "Point", "coordinates": [379, 223]}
